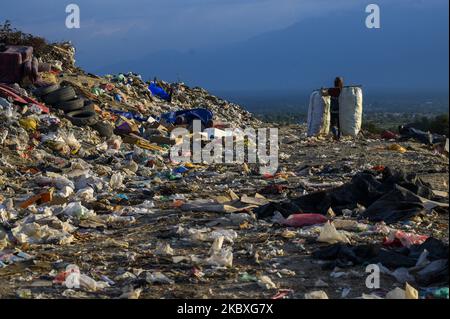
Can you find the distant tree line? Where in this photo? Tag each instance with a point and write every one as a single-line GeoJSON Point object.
{"type": "Point", "coordinates": [284, 118]}
{"type": "Point", "coordinates": [437, 124]}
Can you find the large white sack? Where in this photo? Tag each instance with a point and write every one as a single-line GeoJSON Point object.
{"type": "Point", "coordinates": [318, 114]}
{"type": "Point", "coordinates": [350, 110]}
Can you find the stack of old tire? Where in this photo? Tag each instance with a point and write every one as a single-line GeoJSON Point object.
{"type": "Point", "coordinates": [77, 109]}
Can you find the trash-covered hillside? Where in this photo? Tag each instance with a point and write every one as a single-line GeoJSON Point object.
{"type": "Point", "coordinates": [92, 206]}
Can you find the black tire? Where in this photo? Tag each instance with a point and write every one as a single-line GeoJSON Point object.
{"type": "Point", "coordinates": [88, 106]}
{"type": "Point", "coordinates": [82, 118]}
{"type": "Point", "coordinates": [104, 129]}
{"type": "Point", "coordinates": [71, 105]}
{"type": "Point", "coordinates": [61, 95]}
{"type": "Point", "coordinates": [42, 91]}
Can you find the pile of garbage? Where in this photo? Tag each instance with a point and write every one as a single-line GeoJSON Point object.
{"type": "Point", "coordinates": [91, 204]}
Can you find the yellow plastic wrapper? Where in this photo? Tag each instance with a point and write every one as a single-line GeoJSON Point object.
{"type": "Point", "coordinates": [396, 148]}
{"type": "Point", "coordinates": [411, 292]}
{"type": "Point", "coordinates": [28, 123]}
{"type": "Point", "coordinates": [48, 77]}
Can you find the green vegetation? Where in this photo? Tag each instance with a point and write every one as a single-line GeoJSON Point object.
{"type": "Point", "coordinates": [12, 36]}
{"type": "Point", "coordinates": [283, 118]}
{"type": "Point", "coordinates": [437, 124]}
{"type": "Point", "coordinates": [372, 127]}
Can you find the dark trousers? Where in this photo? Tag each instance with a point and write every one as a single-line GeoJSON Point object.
{"type": "Point", "coordinates": [334, 107]}
{"type": "Point", "coordinates": [334, 123]}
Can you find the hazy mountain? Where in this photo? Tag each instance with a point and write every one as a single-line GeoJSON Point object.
{"type": "Point", "coordinates": [408, 52]}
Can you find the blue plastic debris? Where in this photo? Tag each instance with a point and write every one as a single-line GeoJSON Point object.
{"type": "Point", "coordinates": [158, 91]}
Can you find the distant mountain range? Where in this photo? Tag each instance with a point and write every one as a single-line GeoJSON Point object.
{"type": "Point", "coordinates": [407, 53]}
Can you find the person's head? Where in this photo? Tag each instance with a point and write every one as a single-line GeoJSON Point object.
{"type": "Point", "coordinates": [339, 82]}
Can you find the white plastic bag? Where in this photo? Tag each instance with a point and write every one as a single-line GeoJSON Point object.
{"type": "Point", "coordinates": [350, 111]}
{"type": "Point", "coordinates": [116, 181]}
{"type": "Point", "coordinates": [266, 283]}
{"type": "Point", "coordinates": [222, 257]}
{"type": "Point", "coordinates": [330, 235]}
{"type": "Point", "coordinates": [318, 114]}
{"type": "Point", "coordinates": [318, 294]}
{"type": "Point", "coordinates": [75, 209]}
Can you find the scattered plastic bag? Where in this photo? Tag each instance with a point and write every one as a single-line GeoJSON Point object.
{"type": "Point", "coordinates": [163, 249]}
{"type": "Point", "coordinates": [330, 235]}
{"type": "Point", "coordinates": [158, 278]}
{"type": "Point", "coordinates": [75, 209]}
{"type": "Point", "coordinates": [116, 181]}
{"type": "Point", "coordinates": [299, 220]}
{"type": "Point", "coordinates": [72, 278]}
{"type": "Point", "coordinates": [396, 148]}
{"type": "Point", "coordinates": [266, 283]}
{"type": "Point", "coordinates": [222, 257]}
{"type": "Point", "coordinates": [408, 293]}
{"type": "Point", "coordinates": [400, 238]}
{"type": "Point", "coordinates": [318, 294]}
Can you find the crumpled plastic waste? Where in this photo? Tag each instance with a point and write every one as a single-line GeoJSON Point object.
{"type": "Point", "coordinates": [299, 220]}
{"type": "Point", "coordinates": [266, 283]}
{"type": "Point", "coordinates": [72, 278]}
{"type": "Point", "coordinates": [76, 210]}
{"type": "Point", "coordinates": [396, 148]}
{"type": "Point", "coordinates": [116, 181]}
{"type": "Point", "coordinates": [158, 278]}
{"type": "Point", "coordinates": [330, 235]}
{"type": "Point", "coordinates": [400, 238]}
{"type": "Point", "coordinates": [34, 233]}
{"type": "Point", "coordinates": [318, 294]}
{"type": "Point", "coordinates": [408, 293]}
{"type": "Point", "coordinates": [206, 234]}
{"type": "Point", "coordinates": [163, 249]}
{"type": "Point", "coordinates": [219, 256]}
{"type": "Point", "coordinates": [9, 258]}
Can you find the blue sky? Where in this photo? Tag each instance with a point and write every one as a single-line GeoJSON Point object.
{"type": "Point", "coordinates": [187, 36]}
